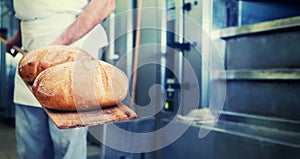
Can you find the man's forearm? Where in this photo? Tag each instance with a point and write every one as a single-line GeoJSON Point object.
{"type": "Point", "coordinates": [95, 12]}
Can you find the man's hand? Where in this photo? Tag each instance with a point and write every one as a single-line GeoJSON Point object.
{"type": "Point", "coordinates": [14, 40]}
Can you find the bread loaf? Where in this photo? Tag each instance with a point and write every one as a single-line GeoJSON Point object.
{"type": "Point", "coordinates": [80, 85]}
{"type": "Point", "coordinates": [37, 60]}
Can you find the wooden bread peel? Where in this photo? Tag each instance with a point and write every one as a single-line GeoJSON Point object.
{"type": "Point", "coordinates": [65, 120]}
{"type": "Point", "coordinates": [19, 50]}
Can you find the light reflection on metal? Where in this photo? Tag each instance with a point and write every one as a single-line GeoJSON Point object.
{"type": "Point", "coordinates": [266, 74]}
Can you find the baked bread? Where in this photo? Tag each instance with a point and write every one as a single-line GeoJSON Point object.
{"type": "Point", "coordinates": [80, 85]}
{"type": "Point", "coordinates": [37, 60]}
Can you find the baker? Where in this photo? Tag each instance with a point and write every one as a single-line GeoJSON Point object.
{"type": "Point", "coordinates": [45, 22]}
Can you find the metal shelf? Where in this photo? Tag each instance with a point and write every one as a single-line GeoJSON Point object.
{"type": "Point", "coordinates": [256, 28]}
{"type": "Point", "coordinates": [266, 74]}
{"type": "Point", "coordinates": [265, 129]}
{"type": "Point", "coordinates": [261, 133]}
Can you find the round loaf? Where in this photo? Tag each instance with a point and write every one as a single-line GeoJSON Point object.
{"type": "Point", "coordinates": [37, 60]}
{"type": "Point", "coordinates": [80, 85]}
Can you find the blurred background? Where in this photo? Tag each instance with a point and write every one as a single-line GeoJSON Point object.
{"type": "Point", "coordinates": [257, 43]}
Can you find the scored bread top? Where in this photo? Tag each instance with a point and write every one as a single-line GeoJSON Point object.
{"type": "Point", "coordinates": [81, 85]}
{"type": "Point", "coordinates": [37, 60]}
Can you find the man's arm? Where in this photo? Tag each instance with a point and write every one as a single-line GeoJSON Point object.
{"type": "Point", "coordinates": [95, 12]}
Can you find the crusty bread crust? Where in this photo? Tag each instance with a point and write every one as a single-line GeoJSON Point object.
{"type": "Point", "coordinates": [80, 85]}
{"type": "Point", "coordinates": [37, 60]}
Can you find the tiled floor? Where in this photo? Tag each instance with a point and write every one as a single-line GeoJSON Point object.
{"type": "Point", "coordinates": [8, 142]}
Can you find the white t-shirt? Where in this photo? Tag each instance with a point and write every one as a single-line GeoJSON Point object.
{"type": "Point", "coordinates": [42, 21]}
{"type": "Point", "coordinates": [32, 9]}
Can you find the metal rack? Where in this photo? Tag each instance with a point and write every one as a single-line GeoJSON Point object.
{"type": "Point", "coordinates": [262, 81]}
